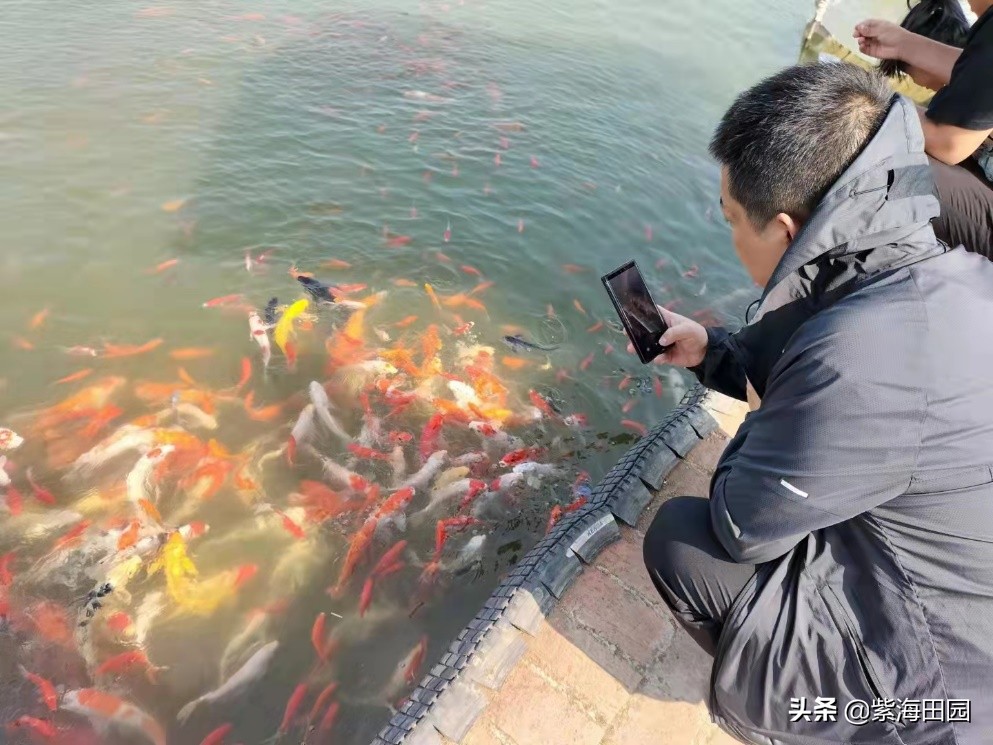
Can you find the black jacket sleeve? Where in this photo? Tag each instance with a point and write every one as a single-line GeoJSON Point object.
{"type": "Point", "coordinates": [721, 369]}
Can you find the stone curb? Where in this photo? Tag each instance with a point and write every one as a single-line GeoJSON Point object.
{"type": "Point", "coordinates": [450, 698]}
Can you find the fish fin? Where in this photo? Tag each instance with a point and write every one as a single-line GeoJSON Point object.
{"type": "Point", "coordinates": [187, 711]}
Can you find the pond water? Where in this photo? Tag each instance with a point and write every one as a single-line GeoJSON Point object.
{"type": "Point", "coordinates": [157, 159]}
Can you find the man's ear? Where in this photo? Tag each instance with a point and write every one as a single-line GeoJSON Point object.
{"type": "Point", "coordinates": [789, 226]}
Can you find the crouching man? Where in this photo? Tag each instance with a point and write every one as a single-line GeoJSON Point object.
{"type": "Point", "coordinates": [846, 551]}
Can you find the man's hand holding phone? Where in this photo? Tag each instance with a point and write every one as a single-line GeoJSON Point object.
{"type": "Point", "coordinates": [688, 340]}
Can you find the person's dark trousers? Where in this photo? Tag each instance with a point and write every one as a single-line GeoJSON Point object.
{"type": "Point", "coordinates": [693, 573]}
{"type": "Point", "coordinates": [966, 207]}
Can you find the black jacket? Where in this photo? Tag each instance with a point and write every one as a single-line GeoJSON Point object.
{"type": "Point", "coordinates": [863, 485]}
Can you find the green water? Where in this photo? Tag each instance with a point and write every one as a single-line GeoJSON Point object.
{"type": "Point", "coordinates": [284, 126]}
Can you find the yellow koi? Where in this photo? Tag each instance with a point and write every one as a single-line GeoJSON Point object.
{"type": "Point", "coordinates": [284, 327]}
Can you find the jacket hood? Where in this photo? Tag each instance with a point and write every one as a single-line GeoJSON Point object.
{"type": "Point", "coordinates": [882, 203]}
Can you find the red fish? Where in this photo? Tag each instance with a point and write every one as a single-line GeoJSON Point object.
{"type": "Point", "coordinates": [534, 162]}
{"type": "Point", "coordinates": [443, 258]}
{"type": "Point", "coordinates": [541, 403]}
{"type": "Point", "coordinates": [463, 328]}
{"type": "Point", "coordinates": [216, 737]}
{"type": "Point", "coordinates": [496, 160]}
{"type": "Point", "coordinates": [397, 501]}
{"type": "Point", "coordinates": [447, 235]}
{"type": "Point", "coordinates": [415, 661]}
{"type": "Point", "coordinates": [191, 353]}
{"type": "Point", "coordinates": [367, 453]}
{"type": "Point", "coordinates": [519, 456]}
{"type": "Point", "coordinates": [327, 722]}
{"type": "Point", "coordinates": [119, 622]}
{"type": "Point", "coordinates": [40, 727]}
{"type": "Point", "coordinates": [21, 343]}
{"type": "Point", "coordinates": [224, 300]}
{"type": "Point", "coordinates": [405, 322]}
{"type": "Point", "coordinates": [579, 306]}
{"type": "Point", "coordinates": [40, 493]}
{"type": "Point", "coordinates": [291, 527]}
{"type": "Point", "coordinates": [246, 372]}
{"type": "Point", "coordinates": [357, 550]}
{"type": "Point", "coordinates": [595, 327]}
{"type": "Point", "coordinates": [400, 438]}
{"type": "Point", "coordinates": [73, 536]}
{"type": "Point", "coordinates": [114, 351]}
{"type": "Point", "coordinates": [292, 705]}
{"type": "Point", "coordinates": [398, 241]}
{"type": "Point", "coordinates": [482, 287]}
{"type": "Point", "coordinates": [322, 699]}
{"type": "Point", "coordinates": [626, 408]}
{"type": "Point", "coordinates": [126, 661]}
{"type": "Point", "coordinates": [574, 269]}
{"type": "Point", "coordinates": [317, 637]}
{"type": "Point", "coordinates": [587, 361]}
{"type": "Point", "coordinates": [471, 270]}
{"type": "Point", "coordinates": [337, 264]}
{"type": "Point", "coordinates": [15, 502]}
{"type": "Point", "coordinates": [72, 378]}
{"type": "Point", "coordinates": [6, 576]}
{"type": "Point", "coordinates": [608, 349]}
{"type": "Point", "coordinates": [429, 436]}
{"type": "Point", "coordinates": [691, 272]}
{"type": "Point", "coordinates": [413, 136]}
{"type": "Point", "coordinates": [625, 383]}
{"type": "Point", "coordinates": [637, 427]}
{"type": "Point", "coordinates": [658, 387]}
{"type": "Point", "coordinates": [476, 487]}
{"type": "Point", "coordinates": [46, 691]}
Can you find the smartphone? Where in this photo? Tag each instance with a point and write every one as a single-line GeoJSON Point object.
{"type": "Point", "coordinates": [637, 310]}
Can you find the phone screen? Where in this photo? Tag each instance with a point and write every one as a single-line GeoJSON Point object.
{"type": "Point", "coordinates": [637, 310]}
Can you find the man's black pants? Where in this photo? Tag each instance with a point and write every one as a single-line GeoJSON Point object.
{"type": "Point", "coordinates": [966, 207]}
{"type": "Point", "coordinates": [693, 573]}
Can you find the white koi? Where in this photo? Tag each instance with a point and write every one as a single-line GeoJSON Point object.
{"type": "Point", "coordinates": [237, 684]}
{"type": "Point", "coordinates": [257, 331]}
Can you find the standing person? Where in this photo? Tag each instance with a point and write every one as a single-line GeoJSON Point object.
{"type": "Point", "coordinates": [845, 553]}
{"type": "Point", "coordinates": [957, 123]}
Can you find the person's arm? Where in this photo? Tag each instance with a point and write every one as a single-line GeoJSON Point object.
{"type": "Point", "coordinates": [825, 445]}
{"type": "Point", "coordinates": [885, 40]}
{"type": "Point", "coordinates": [705, 352]}
{"type": "Point", "coordinates": [948, 143]}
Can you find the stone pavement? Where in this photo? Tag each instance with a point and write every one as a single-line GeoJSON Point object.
{"type": "Point", "coordinates": [609, 666]}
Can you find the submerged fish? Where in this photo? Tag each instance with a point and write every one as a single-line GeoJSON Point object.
{"type": "Point", "coordinates": [105, 711]}
{"type": "Point", "coordinates": [519, 343]}
{"type": "Point", "coordinates": [237, 684]}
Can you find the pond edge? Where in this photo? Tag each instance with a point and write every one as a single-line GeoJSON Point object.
{"type": "Point", "coordinates": [449, 699]}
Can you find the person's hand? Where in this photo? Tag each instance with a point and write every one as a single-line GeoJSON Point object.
{"type": "Point", "coordinates": [687, 337]}
{"type": "Point", "coordinates": [753, 398]}
{"type": "Point", "coordinates": [880, 39]}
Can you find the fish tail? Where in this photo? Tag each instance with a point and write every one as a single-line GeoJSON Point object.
{"type": "Point", "coordinates": [187, 711]}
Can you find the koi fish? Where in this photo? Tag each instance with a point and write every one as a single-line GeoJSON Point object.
{"type": "Point", "coordinates": [269, 313]}
{"type": "Point", "coordinates": [284, 327]}
{"type": "Point", "coordinates": [357, 550]}
{"type": "Point", "coordinates": [46, 691]}
{"type": "Point", "coordinates": [636, 427]}
{"type": "Point", "coordinates": [482, 287]}
{"type": "Point", "coordinates": [120, 623]}
{"type": "Point", "coordinates": [191, 353]}
{"type": "Point", "coordinates": [403, 282]}
{"type": "Point", "coordinates": [431, 294]}
{"type": "Point", "coordinates": [595, 327]}
{"type": "Point", "coordinates": [79, 351]}
{"type": "Point", "coordinates": [73, 377]}
{"type": "Point", "coordinates": [318, 636]}
{"type": "Point", "coordinates": [38, 319]}
{"type": "Point", "coordinates": [127, 661]}
{"type": "Point", "coordinates": [322, 698]}
{"type": "Point", "coordinates": [216, 737]}
{"type": "Point", "coordinates": [292, 705]}
{"type": "Point", "coordinates": [519, 456]}
{"type": "Point", "coordinates": [114, 351]}
{"type": "Point", "coordinates": [40, 727]}
{"type": "Point", "coordinates": [519, 343]}
{"type": "Point", "coordinates": [6, 576]}
{"type": "Point", "coordinates": [587, 361]}
{"type": "Point", "coordinates": [447, 235]}
{"type": "Point", "coordinates": [15, 501]}
{"type": "Point", "coordinates": [327, 721]}
{"type": "Point", "coordinates": [579, 306]}
{"type": "Point", "coordinates": [514, 363]}
{"type": "Point", "coordinates": [657, 385]}
{"type": "Point", "coordinates": [398, 241]}
{"type": "Point", "coordinates": [40, 493]}
{"type": "Point", "coordinates": [389, 563]}
{"type": "Point", "coordinates": [173, 205]}
{"type": "Point", "coordinates": [405, 322]}
{"type": "Point", "coordinates": [471, 270]}
{"type": "Point", "coordinates": [692, 272]}
{"type": "Point", "coordinates": [223, 300]}
{"type": "Point", "coordinates": [574, 269]}
{"type": "Point", "coordinates": [235, 686]}
{"type": "Point", "coordinates": [496, 160]}
{"type": "Point", "coordinates": [429, 435]}
{"type": "Point", "coordinates": [103, 709]}
{"type": "Point", "coordinates": [320, 292]}
{"type": "Point", "coordinates": [575, 421]}
{"type": "Point", "coordinates": [21, 343]}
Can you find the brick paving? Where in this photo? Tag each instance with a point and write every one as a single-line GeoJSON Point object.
{"type": "Point", "coordinates": [608, 665]}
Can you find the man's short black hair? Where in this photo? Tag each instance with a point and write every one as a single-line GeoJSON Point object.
{"type": "Point", "coordinates": [787, 139]}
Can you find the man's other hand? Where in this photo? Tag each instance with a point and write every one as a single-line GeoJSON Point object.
{"type": "Point", "coordinates": [687, 337]}
{"type": "Point", "coordinates": [880, 39]}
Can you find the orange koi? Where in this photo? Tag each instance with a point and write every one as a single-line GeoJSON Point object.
{"type": "Point", "coordinates": [129, 537]}
{"type": "Point", "coordinates": [658, 387]}
{"type": "Point", "coordinates": [336, 264]}
{"type": "Point", "coordinates": [405, 322]}
{"type": "Point", "coordinates": [357, 550]}
{"type": "Point", "coordinates": [401, 282]}
{"type": "Point", "coordinates": [224, 300]}
{"type": "Point", "coordinates": [579, 306]}
{"type": "Point", "coordinates": [291, 527]}
{"type": "Point", "coordinates": [264, 413]}
{"type": "Point", "coordinates": [46, 691]}
{"type": "Point", "coordinates": [637, 427]}
{"type": "Point", "coordinates": [127, 661]}
{"type": "Point", "coordinates": [626, 408]}
{"type": "Point", "coordinates": [73, 536]}
{"type": "Point", "coordinates": [173, 205]}
{"type": "Point", "coordinates": [119, 622]}
{"type": "Point", "coordinates": [72, 378]}
{"type": "Point", "coordinates": [397, 241]}
{"type": "Point", "coordinates": [21, 343]}
{"type": "Point", "coordinates": [397, 501]}
{"type": "Point", "coordinates": [113, 351]}
{"type": "Point", "coordinates": [587, 361]}
{"type": "Point", "coordinates": [515, 363]}
{"type": "Point", "coordinates": [482, 287]}
{"type": "Point", "coordinates": [164, 266]}
{"type": "Point", "coordinates": [103, 708]}
{"type": "Point", "coordinates": [541, 403]}
{"type": "Point", "coordinates": [349, 289]}
{"type": "Point", "coordinates": [625, 383]}
{"type": "Point", "coordinates": [38, 319]}
{"type": "Point", "coordinates": [574, 269]}
{"type": "Point", "coordinates": [429, 435]}
{"type": "Point", "coordinates": [595, 327]}
{"type": "Point", "coordinates": [51, 623]}
{"type": "Point", "coordinates": [471, 270]}
{"type": "Point", "coordinates": [367, 453]}
{"type": "Point", "coordinates": [191, 353]}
